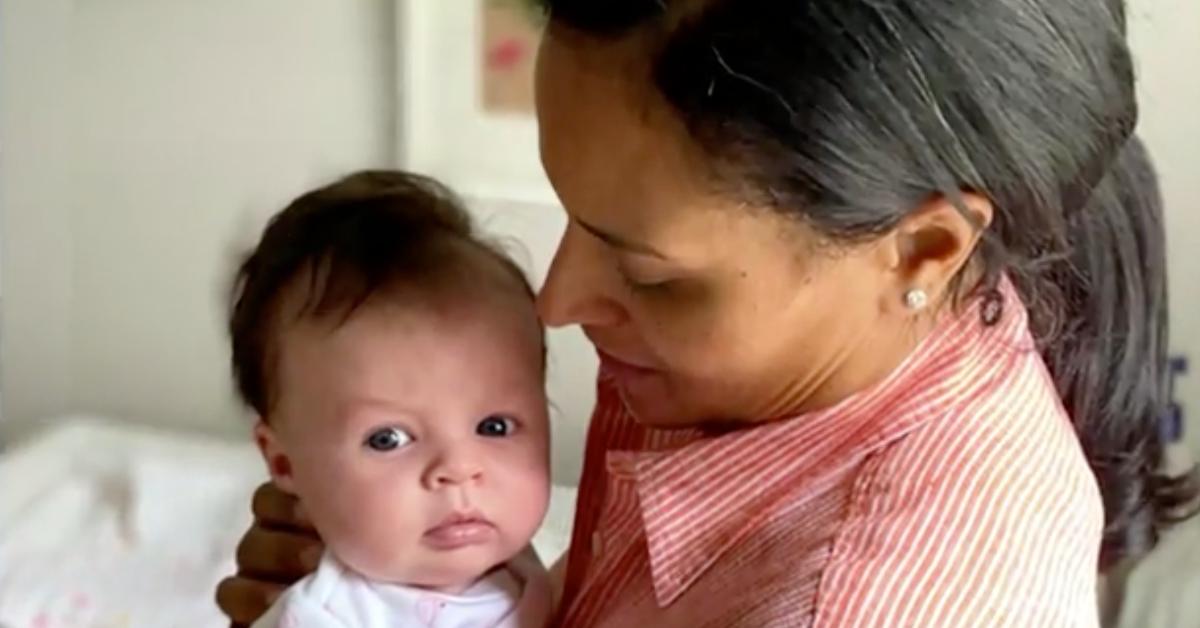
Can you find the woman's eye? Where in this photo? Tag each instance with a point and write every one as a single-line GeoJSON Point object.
{"type": "Point", "coordinates": [388, 439]}
{"type": "Point", "coordinates": [644, 280]}
{"type": "Point", "coordinates": [496, 426]}
{"type": "Point", "coordinates": [642, 286]}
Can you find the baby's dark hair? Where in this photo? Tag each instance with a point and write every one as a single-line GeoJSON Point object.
{"type": "Point", "coordinates": [374, 234]}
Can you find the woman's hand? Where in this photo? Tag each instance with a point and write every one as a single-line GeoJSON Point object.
{"type": "Point", "coordinates": [279, 549]}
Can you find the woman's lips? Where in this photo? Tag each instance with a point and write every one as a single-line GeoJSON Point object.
{"type": "Point", "coordinates": [460, 530]}
{"type": "Point", "coordinates": [620, 368]}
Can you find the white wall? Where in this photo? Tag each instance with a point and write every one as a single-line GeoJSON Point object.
{"type": "Point", "coordinates": [1165, 35]}
{"type": "Point", "coordinates": [36, 260]}
{"type": "Point", "coordinates": [141, 138]}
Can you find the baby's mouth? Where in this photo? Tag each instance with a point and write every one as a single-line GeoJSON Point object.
{"type": "Point", "coordinates": [459, 530]}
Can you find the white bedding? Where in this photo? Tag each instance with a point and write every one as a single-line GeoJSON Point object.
{"type": "Point", "coordinates": [105, 525]}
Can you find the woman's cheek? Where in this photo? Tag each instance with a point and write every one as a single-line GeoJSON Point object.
{"type": "Point", "coordinates": [686, 327]}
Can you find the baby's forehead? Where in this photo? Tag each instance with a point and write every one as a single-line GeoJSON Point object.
{"type": "Point", "coordinates": [419, 356]}
{"type": "Point", "coordinates": [389, 324]}
{"type": "Point", "coordinates": [313, 311]}
{"type": "Point", "coordinates": [455, 271]}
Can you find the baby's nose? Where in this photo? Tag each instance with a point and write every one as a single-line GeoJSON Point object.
{"type": "Point", "coordinates": [453, 472]}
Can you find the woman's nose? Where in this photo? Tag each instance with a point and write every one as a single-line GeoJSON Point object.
{"type": "Point", "coordinates": [578, 286]}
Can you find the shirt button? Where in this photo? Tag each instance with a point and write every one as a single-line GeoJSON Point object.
{"type": "Point", "coordinates": [597, 544]}
{"type": "Point", "coordinates": [427, 610]}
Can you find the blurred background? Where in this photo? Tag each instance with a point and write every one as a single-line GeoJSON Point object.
{"type": "Point", "coordinates": [143, 143]}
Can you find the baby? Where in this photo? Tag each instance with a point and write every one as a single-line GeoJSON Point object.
{"type": "Point", "coordinates": [397, 366]}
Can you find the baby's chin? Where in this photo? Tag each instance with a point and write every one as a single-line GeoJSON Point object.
{"type": "Point", "coordinates": [445, 571]}
{"type": "Point", "coordinates": [454, 582]}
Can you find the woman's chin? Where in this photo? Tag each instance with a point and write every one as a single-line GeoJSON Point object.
{"type": "Point", "coordinates": [653, 406]}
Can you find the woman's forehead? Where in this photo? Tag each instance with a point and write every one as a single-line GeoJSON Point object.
{"type": "Point", "coordinates": [586, 85]}
{"type": "Point", "coordinates": [608, 137]}
{"type": "Point", "coordinates": [620, 157]}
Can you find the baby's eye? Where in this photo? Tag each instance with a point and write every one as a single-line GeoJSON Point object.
{"type": "Point", "coordinates": [496, 426]}
{"type": "Point", "coordinates": [388, 439]}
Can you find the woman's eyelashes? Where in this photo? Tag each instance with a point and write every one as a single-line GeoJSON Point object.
{"type": "Point", "coordinates": [644, 280]}
{"type": "Point", "coordinates": [387, 439]}
{"type": "Point", "coordinates": [637, 285]}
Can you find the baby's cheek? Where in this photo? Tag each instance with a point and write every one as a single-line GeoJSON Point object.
{"type": "Point", "coordinates": [379, 525]}
{"type": "Point", "coordinates": [525, 496]}
{"type": "Point", "coordinates": [322, 489]}
{"type": "Point", "coordinates": [381, 536]}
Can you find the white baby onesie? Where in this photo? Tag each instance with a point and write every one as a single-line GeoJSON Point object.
{"type": "Point", "coordinates": [516, 595]}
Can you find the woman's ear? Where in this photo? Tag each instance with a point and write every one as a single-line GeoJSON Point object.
{"type": "Point", "coordinates": [278, 463]}
{"type": "Point", "coordinates": [934, 242]}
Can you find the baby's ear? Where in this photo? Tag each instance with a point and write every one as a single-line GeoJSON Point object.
{"type": "Point", "coordinates": [278, 463]}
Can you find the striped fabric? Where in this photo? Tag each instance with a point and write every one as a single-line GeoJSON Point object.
{"type": "Point", "coordinates": [954, 493]}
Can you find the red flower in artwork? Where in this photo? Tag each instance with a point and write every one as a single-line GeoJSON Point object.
{"type": "Point", "coordinates": [506, 53]}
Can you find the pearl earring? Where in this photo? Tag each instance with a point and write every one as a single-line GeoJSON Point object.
{"type": "Point", "coordinates": [916, 299]}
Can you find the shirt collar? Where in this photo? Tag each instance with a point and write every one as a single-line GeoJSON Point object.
{"type": "Point", "coordinates": [700, 499]}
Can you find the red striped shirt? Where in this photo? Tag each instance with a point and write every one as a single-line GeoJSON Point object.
{"type": "Point", "coordinates": [954, 493]}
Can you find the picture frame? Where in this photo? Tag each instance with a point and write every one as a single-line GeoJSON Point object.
{"type": "Point", "coordinates": [444, 130]}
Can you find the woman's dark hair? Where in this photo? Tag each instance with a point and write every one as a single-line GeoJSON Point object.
{"type": "Point", "coordinates": [373, 234]}
{"type": "Point", "coordinates": [848, 113]}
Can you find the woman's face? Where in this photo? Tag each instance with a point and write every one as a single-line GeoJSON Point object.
{"type": "Point", "coordinates": [702, 309]}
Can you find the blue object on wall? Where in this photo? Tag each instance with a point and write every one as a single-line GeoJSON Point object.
{"type": "Point", "coordinates": [1172, 424]}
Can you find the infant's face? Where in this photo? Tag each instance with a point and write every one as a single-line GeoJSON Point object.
{"type": "Point", "coordinates": [417, 440]}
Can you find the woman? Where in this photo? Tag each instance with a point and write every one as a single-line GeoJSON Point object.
{"type": "Point", "coordinates": [881, 323]}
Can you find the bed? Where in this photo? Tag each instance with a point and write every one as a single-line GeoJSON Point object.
{"type": "Point", "coordinates": [108, 525]}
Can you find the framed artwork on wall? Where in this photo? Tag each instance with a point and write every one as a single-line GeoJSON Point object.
{"type": "Point", "coordinates": [466, 96]}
